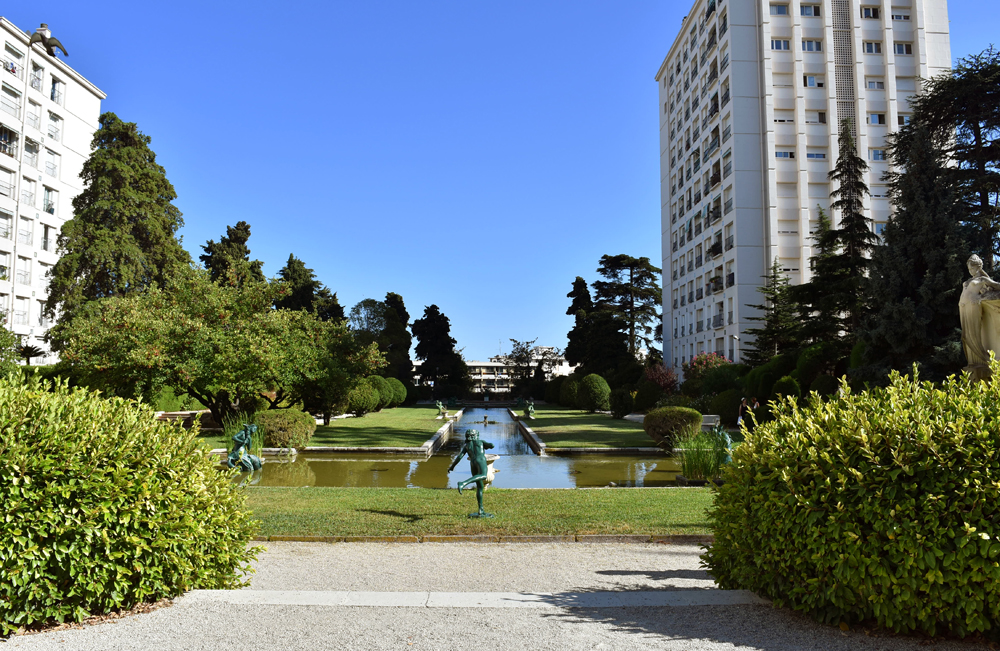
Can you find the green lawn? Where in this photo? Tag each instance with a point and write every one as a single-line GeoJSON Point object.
{"type": "Point", "coordinates": [422, 511]}
{"type": "Point", "coordinates": [212, 440]}
{"type": "Point", "coordinates": [571, 428]}
{"type": "Point", "coordinates": [399, 427]}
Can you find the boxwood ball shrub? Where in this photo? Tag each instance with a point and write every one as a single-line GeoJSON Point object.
{"type": "Point", "coordinates": [363, 398]}
{"type": "Point", "coordinates": [286, 428]}
{"type": "Point", "coordinates": [386, 394]}
{"type": "Point", "coordinates": [105, 508]}
{"type": "Point", "coordinates": [824, 385]}
{"type": "Point", "coordinates": [666, 425]}
{"type": "Point", "coordinates": [786, 386]}
{"type": "Point", "coordinates": [620, 402]}
{"type": "Point", "coordinates": [568, 393]}
{"type": "Point", "coordinates": [646, 396]}
{"type": "Point", "coordinates": [398, 391]}
{"type": "Point", "coordinates": [881, 506]}
{"type": "Point", "coordinates": [594, 394]}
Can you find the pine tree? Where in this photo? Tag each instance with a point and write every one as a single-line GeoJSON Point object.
{"type": "Point", "coordinates": [581, 306]}
{"type": "Point", "coordinates": [396, 339]}
{"type": "Point", "coordinates": [304, 292]}
{"type": "Point", "coordinates": [123, 234]}
{"type": "Point", "coordinates": [820, 308]}
{"type": "Point", "coordinates": [916, 276]}
{"type": "Point", "coordinates": [220, 256]}
{"type": "Point", "coordinates": [441, 363]}
{"type": "Point", "coordinates": [633, 294]}
{"type": "Point", "coordinates": [781, 328]}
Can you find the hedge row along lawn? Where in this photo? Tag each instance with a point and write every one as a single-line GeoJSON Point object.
{"type": "Point", "coordinates": [571, 428]}
{"type": "Point", "coordinates": [424, 511]}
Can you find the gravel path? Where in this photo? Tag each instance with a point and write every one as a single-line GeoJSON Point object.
{"type": "Point", "coordinates": [197, 623]}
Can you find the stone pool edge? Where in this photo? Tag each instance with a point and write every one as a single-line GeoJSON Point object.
{"type": "Point", "coordinates": [677, 539]}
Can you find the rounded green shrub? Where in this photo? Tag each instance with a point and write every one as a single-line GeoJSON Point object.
{"type": "Point", "coordinates": [568, 393]}
{"type": "Point", "coordinates": [386, 394]}
{"type": "Point", "coordinates": [814, 360]}
{"type": "Point", "coordinates": [621, 402]}
{"type": "Point", "coordinates": [105, 508]}
{"type": "Point", "coordinates": [398, 391]}
{"type": "Point", "coordinates": [594, 394]}
{"type": "Point", "coordinates": [876, 506]}
{"type": "Point", "coordinates": [646, 396]}
{"type": "Point", "coordinates": [727, 406]}
{"type": "Point", "coordinates": [286, 428]}
{"type": "Point", "coordinates": [824, 385]}
{"type": "Point", "coordinates": [666, 425]}
{"type": "Point", "coordinates": [786, 386]}
{"type": "Point", "coordinates": [363, 398]}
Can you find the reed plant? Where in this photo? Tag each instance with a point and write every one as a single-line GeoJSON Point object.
{"type": "Point", "coordinates": [233, 424]}
{"type": "Point", "coordinates": [702, 454]}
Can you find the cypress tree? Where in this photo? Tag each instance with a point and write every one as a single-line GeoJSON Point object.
{"type": "Point", "coordinates": [781, 328]}
{"type": "Point", "coordinates": [580, 307]}
{"type": "Point", "coordinates": [819, 307]}
{"type": "Point", "coordinates": [916, 276]}
{"type": "Point", "coordinates": [123, 234]}
{"type": "Point", "coordinates": [304, 292]}
{"type": "Point", "coordinates": [396, 339]}
{"type": "Point", "coordinates": [221, 256]}
{"type": "Point", "coordinates": [441, 362]}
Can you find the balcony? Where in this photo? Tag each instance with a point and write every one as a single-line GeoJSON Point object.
{"type": "Point", "coordinates": [43, 322]}
{"type": "Point", "coordinates": [691, 296]}
{"type": "Point", "coordinates": [697, 196]}
{"type": "Point", "coordinates": [8, 142]}
{"type": "Point", "coordinates": [34, 121]}
{"type": "Point", "coordinates": [14, 68]}
{"type": "Point", "coordinates": [723, 28]}
{"type": "Point", "coordinates": [730, 279]}
{"type": "Point", "coordinates": [715, 179]}
{"type": "Point", "coordinates": [48, 243]}
{"type": "Point", "coordinates": [690, 236]}
{"type": "Point", "coordinates": [715, 284]}
{"type": "Point", "coordinates": [56, 95]}
{"type": "Point", "coordinates": [20, 318]}
{"type": "Point", "coordinates": [697, 261]}
{"type": "Point", "coordinates": [684, 301]}
{"type": "Point", "coordinates": [699, 294]}
{"type": "Point", "coordinates": [710, 10]}
{"type": "Point", "coordinates": [6, 189]}
{"type": "Point", "coordinates": [689, 204]}
{"type": "Point", "coordinates": [675, 307]}
{"type": "Point", "coordinates": [36, 80]}
{"type": "Point", "coordinates": [30, 157]}
{"type": "Point", "coordinates": [53, 132]}
{"type": "Point", "coordinates": [701, 326]}
{"type": "Point", "coordinates": [675, 275]}
{"type": "Point", "coordinates": [675, 333]}
{"type": "Point", "coordinates": [5, 231]}
{"type": "Point", "coordinates": [690, 266]}
{"type": "Point", "coordinates": [49, 206]}
{"type": "Point", "coordinates": [717, 321]}
{"type": "Point", "coordinates": [729, 205]}
{"type": "Point", "coordinates": [729, 242]}
{"type": "Point", "coordinates": [10, 105]}
{"type": "Point", "coordinates": [683, 271]}
{"type": "Point", "coordinates": [51, 169]}
{"type": "Point", "coordinates": [23, 237]}
{"type": "Point", "coordinates": [714, 215]}
{"type": "Point", "coordinates": [28, 198]}
{"type": "Point", "coordinates": [725, 62]}
{"type": "Point", "coordinates": [730, 317]}
{"type": "Point", "coordinates": [727, 169]}
{"type": "Point", "coordinates": [715, 251]}
{"type": "Point", "coordinates": [697, 161]}
{"type": "Point", "coordinates": [727, 133]}
{"type": "Point", "coordinates": [713, 75]}
{"type": "Point", "coordinates": [673, 247]}
{"type": "Point", "coordinates": [713, 109]}
{"type": "Point", "coordinates": [705, 188]}
{"type": "Point", "coordinates": [725, 97]}
{"type": "Point", "coordinates": [23, 278]}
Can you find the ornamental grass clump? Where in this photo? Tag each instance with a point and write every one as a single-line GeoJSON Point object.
{"type": "Point", "coordinates": [881, 506]}
{"type": "Point", "coordinates": [105, 508]}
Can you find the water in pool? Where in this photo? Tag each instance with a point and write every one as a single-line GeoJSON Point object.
{"type": "Point", "coordinates": [517, 467]}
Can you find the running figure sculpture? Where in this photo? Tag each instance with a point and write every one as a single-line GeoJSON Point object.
{"type": "Point", "coordinates": [476, 449]}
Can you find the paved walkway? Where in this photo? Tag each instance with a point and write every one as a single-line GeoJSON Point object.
{"type": "Point", "coordinates": [453, 596]}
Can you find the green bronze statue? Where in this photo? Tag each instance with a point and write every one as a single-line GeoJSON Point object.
{"type": "Point", "coordinates": [441, 410]}
{"type": "Point", "coordinates": [476, 449]}
{"type": "Point", "coordinates": [240, 457]}
{"type": "Point", "coordinates": [529, 409]}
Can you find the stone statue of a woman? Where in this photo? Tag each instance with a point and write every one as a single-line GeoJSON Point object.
{"type": "Point", "coordinates": [979, 309]}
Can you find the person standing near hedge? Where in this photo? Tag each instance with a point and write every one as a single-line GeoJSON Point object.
{"type": "Point", "coordinates": [742, 412]}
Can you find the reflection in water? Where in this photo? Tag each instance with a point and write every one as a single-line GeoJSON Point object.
{"type": "Point", "coordinates": [518, 466]}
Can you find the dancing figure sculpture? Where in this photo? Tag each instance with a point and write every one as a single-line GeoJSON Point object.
{"type": "Point", "coordinates": [476, 449]}
{"type": "Point", "coordinates": [979, 310]}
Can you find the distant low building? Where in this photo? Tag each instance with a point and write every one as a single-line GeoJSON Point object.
{"type": "Point", "coordinates": [497, 376]}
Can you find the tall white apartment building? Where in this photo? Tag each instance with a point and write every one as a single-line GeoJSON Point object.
{"type": "Point", "coordinates": [48, 116]}
{"type": "Point", "coordinates": [751, 94]}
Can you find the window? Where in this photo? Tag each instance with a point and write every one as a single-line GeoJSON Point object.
{"type": "Point", "coordinates": [37, 72]}
{"type": "Point", "coordinates": [784, 154]}
{"type": "Point", "coordinates": [22, 275]}
{"type": "Point", "coordinates": [6, 224]}
{"type": "Point", "coordinates": [879, 228]}
{"type": "Point", "coordinates": [809, 10]}
{"type": "Point", "coordinates": [55, 127]}
{"type": "Point", "coordinates": [901, 16]}
{"type": "Point", "coordinates": [24, 231]}
{"type": "Point", "coordinates": [30, 153]}
{"type": "Point", "coordinates": [4, 267]}
{"type": "Point", "coordinates": [51, 163]}
{"type": "Point", "coordinates": [779, 10]}
{"type": "Point", "coordinates": [869, 12]}
{"type": "Point", "coordinates": [876, 154]}
{"type": "Point", "coordinates": [810, 81]}
{"type": "Point", "coordinates": [10, 101]}
{"type": "Point", "coordinates": [34, 117]}
{"type": "Point", "coordinates": [49, 199]}
{"type": "Point", "coordinates": [902, 48]}
{"type": "Point", "coordinates": [13, 61]}
{"type": "Point", "coordinates": [815, 156]}
{"type": "Point", "coordinates": [872, 47]}
{"type": "Point", "coordinates": [876, 118]}
{"type": "Point", "coordinates": [812, 46]}
{"type": "Point", "coordinates": [777, 44]}
{"type": "Point", "coordinates": [27, 192]}
{"type": "Point", "coordinates": [6, 183]}
{"type": "Point", "coordinates": [57, 91]}
{"type": "Point", "coordinates": [815, 117]}
{"type": "Point", "coordinates": [903, 119]}
{"type": "Point", "coordinates": [874, 84]}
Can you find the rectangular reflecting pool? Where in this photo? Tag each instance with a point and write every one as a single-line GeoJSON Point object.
{"type": "Point", "coordinates": [517, 467]}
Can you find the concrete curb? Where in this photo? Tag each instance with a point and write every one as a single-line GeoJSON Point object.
{"type": "Point", "coordinates": [429, 447]}
{"type": "Point", "coordinates": [606, 451]}
{"type": "Point", "coordinates": [529, 435]}
{"type": "Point", "coordinates": [678, 539]}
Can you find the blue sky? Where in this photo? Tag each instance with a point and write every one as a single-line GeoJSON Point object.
{"type": "Point", "coordinates": [475, 155]}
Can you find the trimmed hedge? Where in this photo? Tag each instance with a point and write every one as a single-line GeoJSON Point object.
{"type": "Point", "coordinates": [621, 403]}
{"type": "Point", "coordinates": [786, 386]}
{"type": "Point", "coordinates": [386, 394]}
{"type": "Point", "coordinates": [668, 424]}
{"type": "Point", "coordinates": [105, 508]}
{"type": "Point", "coordinates": [727, 406]}
{"type": "Point", "coordinates": [568, 393]}
{"type": "Point", "coordinates": [398, 391]}
{"type": "Point", "coordinates": [594, 394]}
{"type": "Point", "coordinates": [286, 428]}
{"type": "Point", "coordinates": [878, 506]}
{"type": "Point", "coordinates": [363, 398]}
{"type": "Point", "coordinates": [647, 395]}
{"type": "Point", "coordinates": [825, 385]}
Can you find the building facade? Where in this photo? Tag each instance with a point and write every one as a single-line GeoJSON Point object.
{"type": "Point", "coordinates": [751, 95]}
{"type": "Point", "coordinates": [497, 375]}
{"type": "Point", "coordinates": [48, 116]}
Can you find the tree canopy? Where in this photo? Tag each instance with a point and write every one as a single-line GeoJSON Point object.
{"type": "Point", "coordinates": [123, 234]}
{"type": "Point", "coordinates": [441, 363]}
{"type": "Point", "coordinates": [781, 328]}
{"type": "Point", "coordinates": [632, 293]}
{"type": "Point", "coordinates": [220, 256]}
{"type": "Point", "coordinates": [304, 292]}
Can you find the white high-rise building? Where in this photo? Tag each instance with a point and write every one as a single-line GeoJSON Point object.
{"type": "Point", "coordinates": [751, 96]}
{"type": "Point", "coordinates": [48, 116]}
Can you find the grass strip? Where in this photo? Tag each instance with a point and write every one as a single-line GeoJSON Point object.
{"type": "Point", "coordinates": [423, 511]}
{"type": "Point", "coordinates": [400, 427]}
{"type": "Point", "coordinates": [571, 428]}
